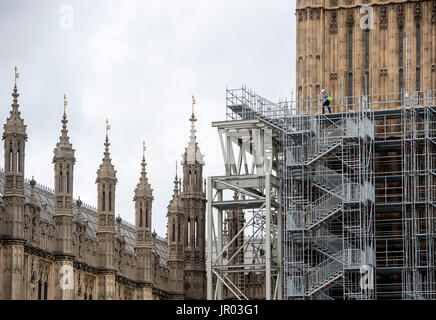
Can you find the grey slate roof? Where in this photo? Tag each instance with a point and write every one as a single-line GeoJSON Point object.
{"type": "Point", "coordinates": [44, 198]}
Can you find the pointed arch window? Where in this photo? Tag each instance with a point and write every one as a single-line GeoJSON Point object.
{"type": "Point", "coordinates": [146, 217]}
{"type": "Point", "coordinates": [174, 231]}
{"type": "Point", "coordinates": [18, 158]}
{"type": "Point", "coordinates": [178, 231]}
{"type": "Point", "coordinates": [367, 34]}
{"type": "Point", "coordinates": [350, 49]}
{"type": "Point", "coordinates": [196, 232]}
{"type": "Point", "coordinates": [110, 198]}
{"type": "Point", "coordinates": [195, 178]}
{"type": "Point", "coordinates": [60, 184]}
{"type": "Point", "coordinates": [11, 159]}
{"type": "Point", "coordinates": [103, 199]}
{"type": "Point", "coordinates": [188, 229]}
{"type": "Point", "coordinates": [140, 216]}
{"type": "Point", "coordinates": [68, 180]}
{"type": "Point", "coordinates": [400, 46]}
{"type": "Point", "coordinates": [189, 177]}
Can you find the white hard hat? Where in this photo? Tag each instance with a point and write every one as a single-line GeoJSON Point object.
{"type": "Point", "coordinates": [323, 90]}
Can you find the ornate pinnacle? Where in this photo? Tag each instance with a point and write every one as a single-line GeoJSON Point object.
{"type": "Point", "coordinates": [106, 143]}
{"type": "Point", "coordinates": [143, 164]}
{"type": "Point", "coordinates": [176, 182]}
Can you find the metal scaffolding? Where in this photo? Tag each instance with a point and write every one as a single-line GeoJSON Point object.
{"type": "Point", "coordinates": [355, 191]}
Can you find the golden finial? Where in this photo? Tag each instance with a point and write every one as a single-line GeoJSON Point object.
{"type": "Point", "coordinates": [17, 75]}
{"type": "Point", "coordinates": [194, 102]}
{"type": "Point", "coordinates": [108, 127]}
{"type": "Point", "coordinates": [65, 102]}
{"type": "Point", "coordinates": [144, 148]}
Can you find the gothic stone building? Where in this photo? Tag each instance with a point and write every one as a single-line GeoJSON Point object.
{"type": "Point", "coordinates": [45, 234]}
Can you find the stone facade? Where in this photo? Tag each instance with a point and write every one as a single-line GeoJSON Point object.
{"type": "Point", "coordinates": [52, 247]}
{"type": "Point", "coordinates": [334, 51]}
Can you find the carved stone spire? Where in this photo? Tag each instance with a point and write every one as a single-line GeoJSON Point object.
{"type": "Point", "coordinates": [64, 149]}
{"type": "Point", "coordinates": [15, 124]}
{"type": "Point", "coordinates": [106, 169]}
{"type": "Point", "coordinates": [176, 204]}
{"type": "Point", "coordinates": [143, 188]}
{"type": "Point", "coordinates": [192, 153]}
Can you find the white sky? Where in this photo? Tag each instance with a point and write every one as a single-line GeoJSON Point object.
{"type": "Point", "coordinates": [138, 62]}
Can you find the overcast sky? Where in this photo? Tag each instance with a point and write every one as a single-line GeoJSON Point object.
{"type": "Point", "coordinates": [137, 63]}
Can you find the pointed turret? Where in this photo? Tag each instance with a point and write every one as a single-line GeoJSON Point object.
{"type": "Point", "coordinates": [14, 137]}
{"type": "Point", "coordinates": [63, 161]}
{"type": "Point", "coordinates": [175, 228]}
{"type": "Point", "coordinates": [143, 221]}
{"type": "Point", "coordinates": [106, 183]}
{"type": "Point", "coordinates": [194, 201]}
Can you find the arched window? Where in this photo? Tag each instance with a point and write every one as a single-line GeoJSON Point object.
{"type": "Point", "coordinates": [103, 200]}
{"type": "Point", "coordinates": [367, 49]}
{"type": "Point", "coordinates": [18, 158]}
{"type": "Point", "coordinates": [11, 159]}
{"type": "Point", "coordinates": [188, 240]}
{"type": "Point", "coordinates": [400, 46]}
{"type": "Point", "coordinates": [178, 231]}
{"type": "Point", "coordinates": [189, 177]}
{"type": "Point", "coordinates": [196, 232]}
{"type": "Point", "coordinates": [418, 45]}
{"type": "Point", "coordinates": [110, 198]}
{"type": "Point", "coordinates": [195, 178]}
{"type": "Point", "coordinates": [350, 49]}
{"type": "Point", "coordinates": [68, 179]}
{"type": "Point", "coordinates": [174, 231]}
{"type": "Point", "coordinates": [60, 180]}
{"type": "Point", "coordinates": [140, 217]}
{"type": "Point", "coordinates": [146, 216]}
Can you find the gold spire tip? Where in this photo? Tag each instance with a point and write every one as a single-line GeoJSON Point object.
{"type": "Point", "coordinates": [17, 75]}
{"type": "Point", "coordinates": [194, 102]}
{"type": "Point", "coordinates": [108, 127]}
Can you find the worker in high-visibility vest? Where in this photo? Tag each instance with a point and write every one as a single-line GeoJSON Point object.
{"type": "Point", "coordinates": [327, 101]}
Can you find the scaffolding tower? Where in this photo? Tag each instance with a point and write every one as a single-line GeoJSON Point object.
{"type": "Point", "coordinates": [352, 196]}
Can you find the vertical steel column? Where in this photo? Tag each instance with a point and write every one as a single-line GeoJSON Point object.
{"type": "Point", "coordinates": [280, 244]}
{"type": "Point", "coordinates": [219, 283]}
{"type": "Point", "coordinates": [209, 239]}
{"type": "Point", "coordinates": [268, 234]}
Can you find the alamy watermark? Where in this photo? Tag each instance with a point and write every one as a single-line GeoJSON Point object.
{"type": "Point", "coordinates": [66, 281]}
{"type": "Point", "coordinates": [67, 17]}
{"type": "Point", "coordinates": [367, 21]}
{"type": "Point", "coordinates": [366, 277]}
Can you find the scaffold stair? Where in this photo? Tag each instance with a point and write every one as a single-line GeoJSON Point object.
{"type": "Point", "coordinates": [324, 274]}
